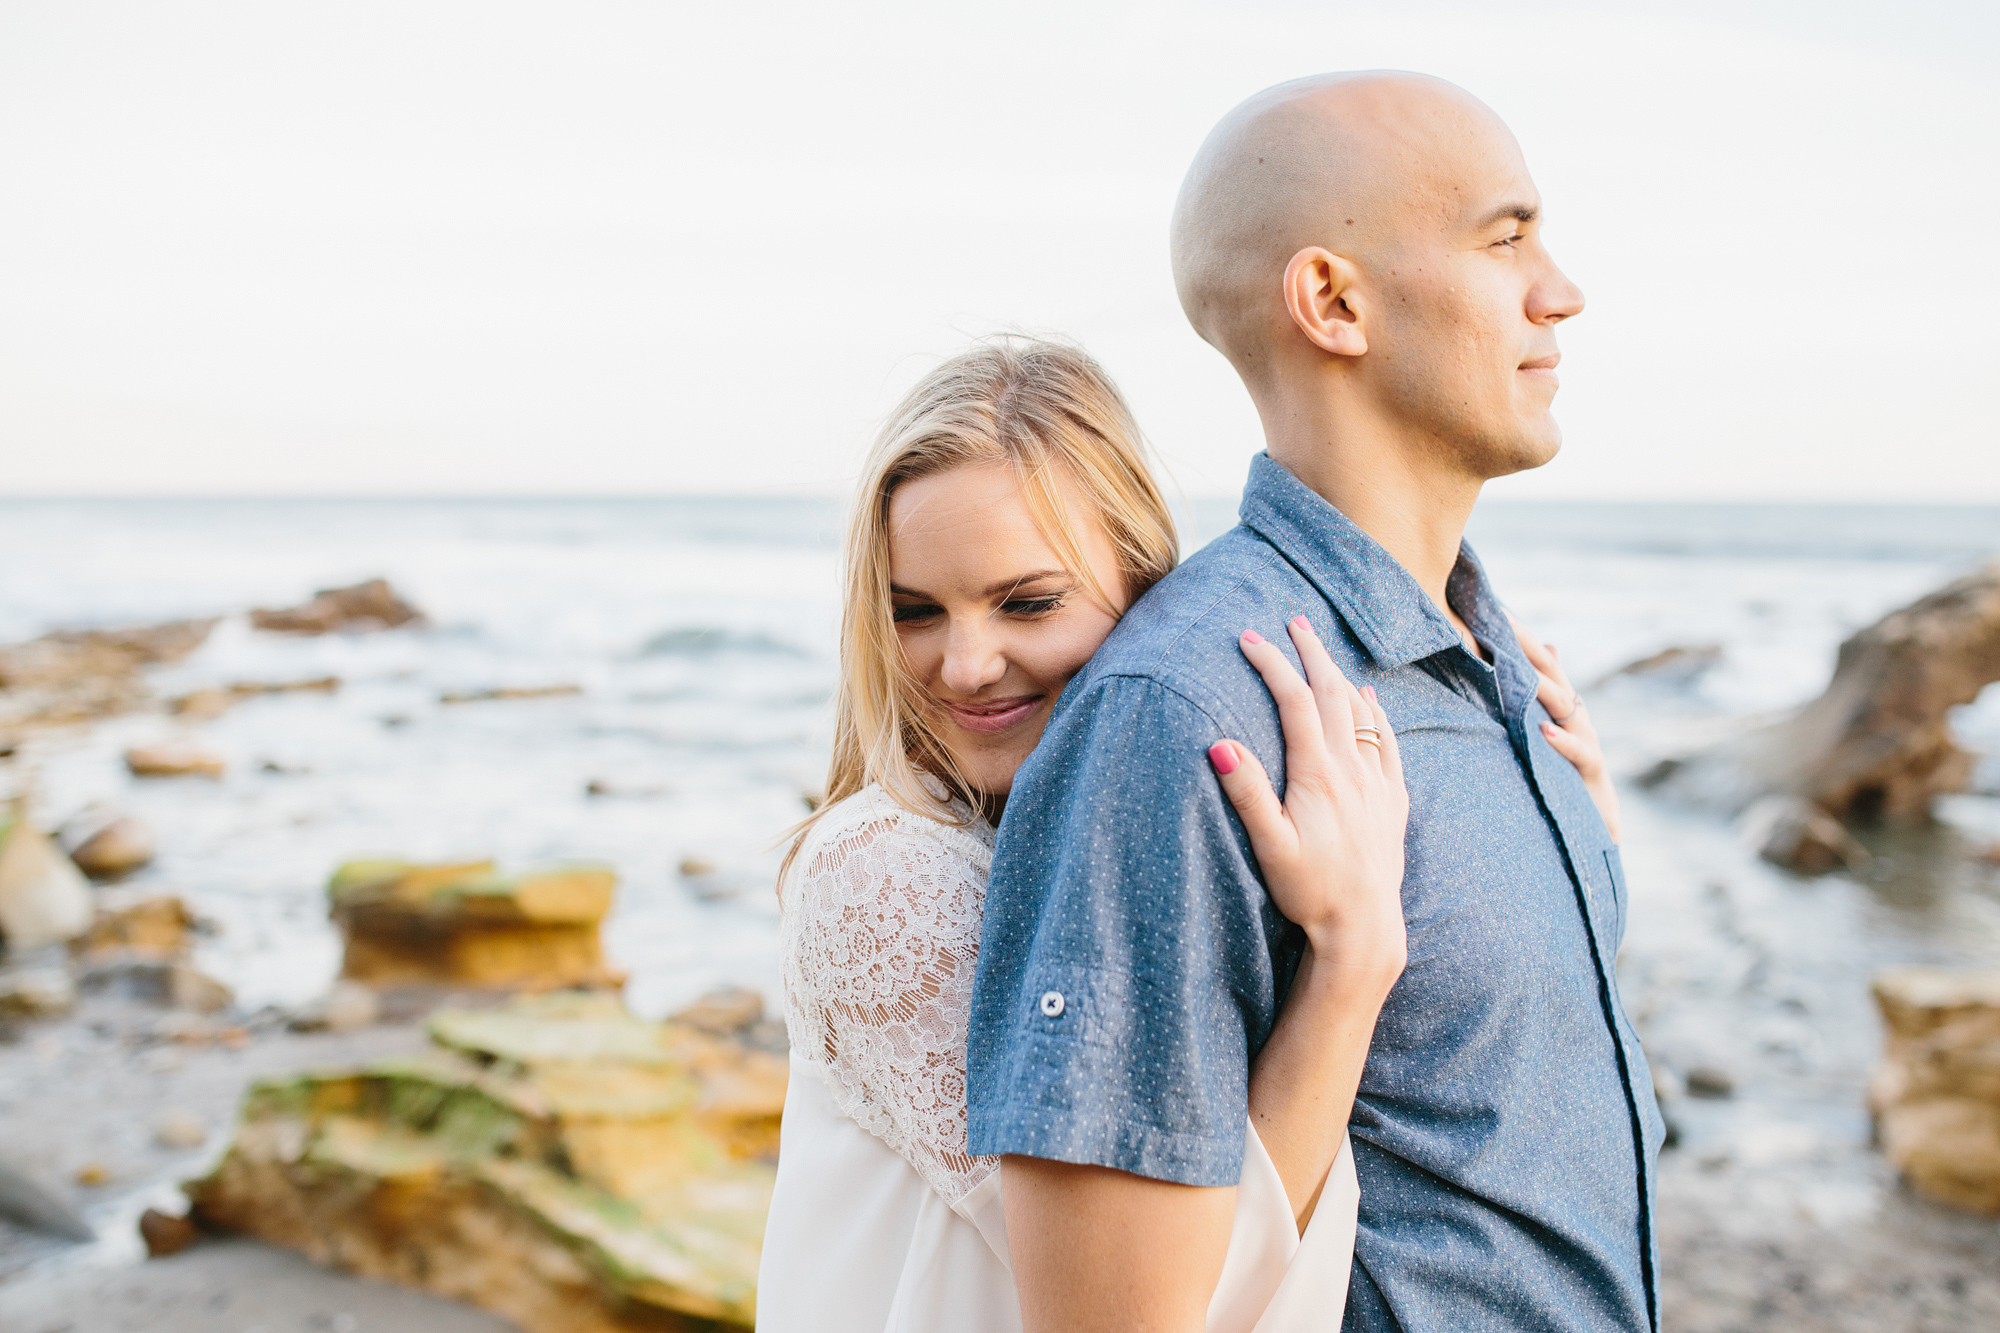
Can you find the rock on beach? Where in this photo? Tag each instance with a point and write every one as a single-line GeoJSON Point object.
{"type": "Point", "coordinates": [466, 925]}
{"type": "Point", "coordinates": [174, 759]}
{"type": "Point", "coordinates": [372, 605]}
{"type": "Point", "coordinates": [1798, 835]}
{"type": "Point", "coordinates": [30, 1198]}
{"type": "Point", "coordinates": [128, 924]}
{"type": "Point", "coordinates": [118, 848]}
{"type": "Point", "coordinates": [560, 1162]}
{"type": "Point", "coordinates": [44, 898]}
{"type": "Point", "coordinates": [77, 675]}
{"type": "Point", "coordinates": [1936, 1096]}
{"type": "Point", "coordinates": [1875, 746]}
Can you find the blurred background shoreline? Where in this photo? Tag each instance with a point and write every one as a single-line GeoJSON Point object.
{"type": "Point", "coordinates": [695, 640]}
{"type": "Point", "coordinates": [647, 682]}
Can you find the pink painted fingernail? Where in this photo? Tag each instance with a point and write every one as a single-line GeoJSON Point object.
{"type": "Point", "coordinates": [1300, 622]}
{"type": "Point", "coordinates": [1368, 693]}
{"type": "Point", "coordinates": [1223, 755]}
{"type": "Point", "coordinates": [1548, 728]}
{"type": "Point", "coordinates": [1252, 636]}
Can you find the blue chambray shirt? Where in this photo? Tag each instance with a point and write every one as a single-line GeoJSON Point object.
{"type": "Point", "coordinates": [1505, 1131]}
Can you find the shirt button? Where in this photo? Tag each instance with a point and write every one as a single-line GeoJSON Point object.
{"type": "Point", "coordinates": [1052, 1003]}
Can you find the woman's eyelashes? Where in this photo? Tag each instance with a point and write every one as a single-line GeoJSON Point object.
{"type": "Point", "coordinates": [1031, 607]}
{"type": "Point", "coordinates": [1023, 608]}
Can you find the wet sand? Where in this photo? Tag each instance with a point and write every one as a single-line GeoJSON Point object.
{"type": "Point", "coordinates": [227, 1286]}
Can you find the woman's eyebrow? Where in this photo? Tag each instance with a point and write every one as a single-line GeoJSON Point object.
{"type": "Point", "coordinates": [1013, 584]}
{"type": "Point", "coordinates": [991, 590]}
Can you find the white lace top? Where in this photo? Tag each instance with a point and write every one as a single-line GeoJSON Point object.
{"type": "Point", "coordinates": [881, 935]}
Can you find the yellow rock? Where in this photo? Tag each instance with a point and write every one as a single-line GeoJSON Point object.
{"type": "Point", "coordinates": [464, 924]}
{"type": "Point", "coordinates": [154, 927]}
{"type": "Point", "coordinates": [560, 1162]}
{"type": "Point", "coordinates": [1936, 1097]}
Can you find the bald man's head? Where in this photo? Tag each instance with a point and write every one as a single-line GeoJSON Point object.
{"type": "Point", "coordinates": [1366, 251]}
{"type": "Point", "coordinates": [1350, 162]}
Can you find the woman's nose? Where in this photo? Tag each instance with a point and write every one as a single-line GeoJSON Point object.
{"type": "Point", "coordinates": [972, 657]}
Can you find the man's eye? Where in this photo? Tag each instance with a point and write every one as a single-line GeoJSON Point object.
{"type": "Point", "coordinates": [910, 614]}
{"type": "Point", "coordinates": [1032, 606]}
{"type": "Point", "coordinates": [1508, 241]}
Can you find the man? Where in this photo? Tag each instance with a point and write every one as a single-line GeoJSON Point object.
{"type": "Point", "coordinates": [1365, 250]}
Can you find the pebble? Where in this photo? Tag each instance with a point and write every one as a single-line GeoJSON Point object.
{"type": "Point", "coordinates": [173, 760]}
{"type": "Point", "coordinates": [164, 1233]}
{"type": "Point", "coordinates": [119, 848]}
{"type": "Point", "coordinates": [180, 1132]}
{"type": "Point", "coordinates": [1710, 1082]}
{"type": "Point", "coordinates": [351, 1005]}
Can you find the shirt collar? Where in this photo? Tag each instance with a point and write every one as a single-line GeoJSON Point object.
{"type": "Point", "coordinates": [1392, 617]}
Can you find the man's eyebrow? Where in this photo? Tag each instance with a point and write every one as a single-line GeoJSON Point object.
{"type": "Point", "coordinates": [1519, 212]}
{"type": "Point", "coordinates": [993, 589]}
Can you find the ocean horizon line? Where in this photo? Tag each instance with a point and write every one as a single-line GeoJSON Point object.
{"type": "Point", "coordinates": [1177, 499]}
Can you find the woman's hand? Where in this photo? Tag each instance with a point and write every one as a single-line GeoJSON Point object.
{"type": "Point", "coordinates": [1332, 857]}
{"type": "Point", "coordinates": [1570, 731]}
{"type": "Point", "coordinates": [1332, 850]}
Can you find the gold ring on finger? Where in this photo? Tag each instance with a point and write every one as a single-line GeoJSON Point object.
{"type": "Point", "coordinates": [1575, 702]}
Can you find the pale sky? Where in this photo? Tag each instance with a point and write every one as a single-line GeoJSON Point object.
{"type": "Point", "coordinates": [614, 247]}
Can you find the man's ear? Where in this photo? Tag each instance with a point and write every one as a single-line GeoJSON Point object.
{"type": "Point", "coordinates": [1319, 294]}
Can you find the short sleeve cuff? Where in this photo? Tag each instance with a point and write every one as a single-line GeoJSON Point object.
{"type": "Point", "coordinates": [1063, 1136]}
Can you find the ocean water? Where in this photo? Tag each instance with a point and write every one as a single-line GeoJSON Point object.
{"type": "Point", "coordinates": [700, 633]}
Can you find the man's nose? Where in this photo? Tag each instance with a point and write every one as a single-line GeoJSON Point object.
{"type": "Point", "coordinates": [972, 656]}
{"type": "Point", "coordinates": [1555, 298]}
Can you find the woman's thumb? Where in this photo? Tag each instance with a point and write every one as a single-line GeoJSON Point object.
{"type": "Point", "coordinates": [1248, 788]}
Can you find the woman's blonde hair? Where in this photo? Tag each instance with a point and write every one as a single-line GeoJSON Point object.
{"type": "Point", "coordinates": [1052, 414]}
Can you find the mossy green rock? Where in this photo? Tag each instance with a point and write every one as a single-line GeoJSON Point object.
{"type": "Point", "coordinates": [558, 1161]}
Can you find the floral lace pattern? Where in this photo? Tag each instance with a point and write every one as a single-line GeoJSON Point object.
{"type": "Point", "coordinates": [881, 936]}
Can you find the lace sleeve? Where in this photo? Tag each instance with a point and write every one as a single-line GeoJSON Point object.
{"type": "Point", "coordinates": [882, 919]}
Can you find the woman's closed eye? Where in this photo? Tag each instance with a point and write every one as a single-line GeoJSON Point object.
{"type": "Point", "coordinates": [1031, 607]}
{"type": "Point", "coordinates": [916, 613]}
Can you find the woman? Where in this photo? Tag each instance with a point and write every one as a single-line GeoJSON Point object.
{"type": "Point", "coordinates": [1005, 521]}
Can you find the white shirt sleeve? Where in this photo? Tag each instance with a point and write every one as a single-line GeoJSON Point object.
{"type": "Point", "coordinates": [882, 917]}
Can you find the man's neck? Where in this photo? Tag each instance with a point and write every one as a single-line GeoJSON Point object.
{"type": "Point", "coordinates": [1396, 490]}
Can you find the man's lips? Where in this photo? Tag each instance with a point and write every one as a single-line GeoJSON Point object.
{"type": "Point", "coordinates": [1543, 367]}
{"type": "Point", "coordinates": [992, 715]}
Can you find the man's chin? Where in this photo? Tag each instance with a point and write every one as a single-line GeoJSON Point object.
{"type": "Point", "coordinates": [1525, 452]}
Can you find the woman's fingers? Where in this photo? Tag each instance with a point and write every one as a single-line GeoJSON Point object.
{"type": "Point", "coordinates": [1248, 788]}
{"type": "Point", "coordinates": [1558, 698]}
{"type": "Point", "coordinates": [1573, 748]}
{"type": "Point", "coordinates": [1341, 707]}
{"type": "Point", "coordinates": [1392, 751]}
{"type": "Point", "coordinates": [1298, 713]}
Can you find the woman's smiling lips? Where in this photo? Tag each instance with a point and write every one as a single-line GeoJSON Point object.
{"type": "Point", "coordinates": [992, 715]}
